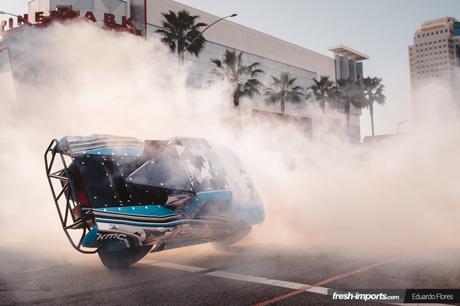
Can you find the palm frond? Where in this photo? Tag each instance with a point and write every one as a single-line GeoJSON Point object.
{"type": "Point", "coordinates": [275, 80]}
{"type": "Point", "coordinates": [243, 77]}
{"type": "Point", "coordinates": [179, 29]}
{"type": "Point", "coordinates": [200, 25]}
{"type": "Point", "coordinates": [297, 88]}
{"type": "Point", "coordinates": [216, 62]}
{"type": "Point", "coordinates": [256, 72]}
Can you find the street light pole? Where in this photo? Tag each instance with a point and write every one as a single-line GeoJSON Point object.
{"type": "Point", "coordinates": [201, 33]}
{"type": "Point", "coordinates": [401, 123]}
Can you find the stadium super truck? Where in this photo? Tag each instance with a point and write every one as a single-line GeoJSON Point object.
{"type": "Point", "coordinates": [123, 198]}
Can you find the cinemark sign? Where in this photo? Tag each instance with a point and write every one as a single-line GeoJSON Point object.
{"type": "Point", "coordinates": [63, 14]}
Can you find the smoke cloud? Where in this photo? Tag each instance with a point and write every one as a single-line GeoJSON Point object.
{"type": "Point", "coordinates": [402, 193]}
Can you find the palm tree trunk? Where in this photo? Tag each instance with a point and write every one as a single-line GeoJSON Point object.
{"type": "Point", "coordinates": [347, 112]}
{"type": "Point", "coordinates": [371, 111]}
{"type": "Point", "coordinates": [282, 105]}
{"type": "Point", "coordinates": [348, 123]}
{"type": "Point", "coordinates": [236, 104]}
{"type": "Point", "coordinates": [236, 100]}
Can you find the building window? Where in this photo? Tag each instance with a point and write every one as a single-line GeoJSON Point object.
{"type": "Point", "coordinates": [64, 7]}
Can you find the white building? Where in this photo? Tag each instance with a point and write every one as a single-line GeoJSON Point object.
{"type": "Point", "coordinates": [274, 55]}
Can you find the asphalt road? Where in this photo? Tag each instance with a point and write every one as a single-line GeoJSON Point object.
{"type": "Point", "coordinates": [203, 276]}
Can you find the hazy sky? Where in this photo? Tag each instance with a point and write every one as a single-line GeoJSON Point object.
{"type": "Point", "coordinates": [380, 28]}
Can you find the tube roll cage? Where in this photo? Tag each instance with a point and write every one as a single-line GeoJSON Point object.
{"type": "Point", "coordinates": [63, 199]}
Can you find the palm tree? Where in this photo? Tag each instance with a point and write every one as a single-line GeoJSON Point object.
{"type": "Point", "coordinates": [178, 30]}
{"type": "Point", "coordinates": [242, 77]}
{"type": "Point", "coordinates": [349, 92]}
{"type": "Point", "coordinates": [283, 89]}
{"type": "Point", "coordinates": [373, 93]}
{"type": "Point", "coordinates": [322, 91]}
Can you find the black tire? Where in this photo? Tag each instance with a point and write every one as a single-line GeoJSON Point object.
{"type": "Point", "coordinates": [226, 243]}
{"type": "Point", "coordinates": [123, 259]}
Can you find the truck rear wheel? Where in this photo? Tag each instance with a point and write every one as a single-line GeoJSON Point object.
{"type": "Point", "coordinates": [226, 243]}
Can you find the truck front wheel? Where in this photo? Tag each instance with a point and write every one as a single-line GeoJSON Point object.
{"type": "Point", "coordinates": [124, 258]}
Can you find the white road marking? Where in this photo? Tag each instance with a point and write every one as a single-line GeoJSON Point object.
{"type": "Point", "coordinates": [256, 279]}
{"type": "Point", "coordinates": [175, 266]}
{"type": "Point", "coordinates": [33, 270]}
{"type": "Point", "coordinates": [248, 278]}
{"type": "Point", "coordinates": [234, 276]}
{"type": "Point", "coordinates": [319, 290]}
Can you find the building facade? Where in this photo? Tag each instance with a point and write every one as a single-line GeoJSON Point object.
{"type": "Point", "coordinates": [435, 54]}
{"type": "Point", "coordinates": [274, 55]}
{"type": "Point", "coordinates": [348, 62]}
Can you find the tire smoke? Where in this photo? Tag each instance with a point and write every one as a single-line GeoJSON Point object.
{"type": "Point", "coordinates": [77, 79]}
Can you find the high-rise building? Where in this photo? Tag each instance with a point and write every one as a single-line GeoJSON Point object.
{"type": "Point", "coordinates": [435, 54]}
